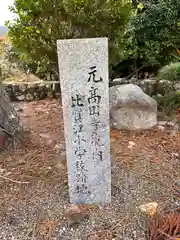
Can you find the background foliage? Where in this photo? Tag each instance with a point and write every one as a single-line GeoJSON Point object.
{"type": "Point", "coordinates": [42, 22]}
{"type": "Point", "coordinates": [171, 73]}
{"type": "Point", "coordinates": [153, 32]}
{"type": "Point", "coordinates": [169, 103]}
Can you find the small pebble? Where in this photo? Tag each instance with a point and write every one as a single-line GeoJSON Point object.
{"type": "Point", "coordinates": [162, 128]}
{"type": "Point", "coordinates": [75, 214]}
{"type": "Point", "coordinates": [175, 154]}
{"type": "Point", "coordinates": [2, 170]}
{"type": "Point", "coordinates": [63, 153]}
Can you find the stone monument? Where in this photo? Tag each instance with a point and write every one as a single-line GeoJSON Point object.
{"type": "Point", "coordinates": [83, 68]}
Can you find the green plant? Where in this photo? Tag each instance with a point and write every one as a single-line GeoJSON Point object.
{"type": "Point", "coordinates": [153, 32]}
{"type": "Point", "coordinates": [40, 23]}
{"type": "Point", "coordinates": [170, 72]}
{"type": "Point", "coordinates": [169, 103]}
{"type": "Point", "coordinates": [8, 58]}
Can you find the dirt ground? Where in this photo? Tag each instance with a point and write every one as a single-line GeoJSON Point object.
{"type": "Point", "coordinates": [34, 187]}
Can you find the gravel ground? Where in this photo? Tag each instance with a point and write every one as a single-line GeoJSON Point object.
{"type": "Point", "coordinates": [34, 191]}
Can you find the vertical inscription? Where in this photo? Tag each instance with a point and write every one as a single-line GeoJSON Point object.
{"type": "Point", "coordinates": [78, 142]}
{"type": "Point", "coordinates": [94, 101]}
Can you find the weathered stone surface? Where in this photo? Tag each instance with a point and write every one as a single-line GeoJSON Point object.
{"type": "Point", "coordinates": [32, 90]}
{"type": "Point", "coordinates": [22, 87]}
{"type": "Point", "coordinates": [29, 97]}
{"type": "Point", "coordinates": [15, 72]}
{"type": "Point", "coordinates": [131, 108]}
{"type": "Point", "coordinates": [148, 86]}
{"type": "Point", "coordinates": [11, 130]}
{"type": "Point", "coordinates": [120, 81]}
{"type": "Point", "coordinates": [21, 97]}
{"type": "Point", "coordinates": [2, 139]}
{"type": "Point", "coordinates": [33, 78]}
{"type": "Point", "coordinates": [83, 65]}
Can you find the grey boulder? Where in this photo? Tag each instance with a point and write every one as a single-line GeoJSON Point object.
{"type": "Point", "coordinates": [131, 108]}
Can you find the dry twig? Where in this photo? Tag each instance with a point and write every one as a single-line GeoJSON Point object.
{"type": "Point", "coordinates": [14, 181]}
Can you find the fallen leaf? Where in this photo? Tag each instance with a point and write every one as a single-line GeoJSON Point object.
{"type": "Point", "coordinates": [115, 134]}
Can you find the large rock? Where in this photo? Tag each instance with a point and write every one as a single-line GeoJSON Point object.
{"type": "Point", "coordinates": [131, 108]}
{"type": "Point", "coordinates": [12, 132]}
{"type": "Point", "coordinates": [120, 81]}
{"type": "Point", "coordinates": [148, 86]}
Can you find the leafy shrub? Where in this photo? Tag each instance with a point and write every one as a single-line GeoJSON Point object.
{"type": "Point", "coordinates": [170, 72]}
{"type": "Point", "coordinates": [8, 58]}
{"type": "Point", "coordinates": [153, 32]}
{"type": "Point", "coordinates": [40, 23]}
{"type": "Point", "coordinates": [169, 103]}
